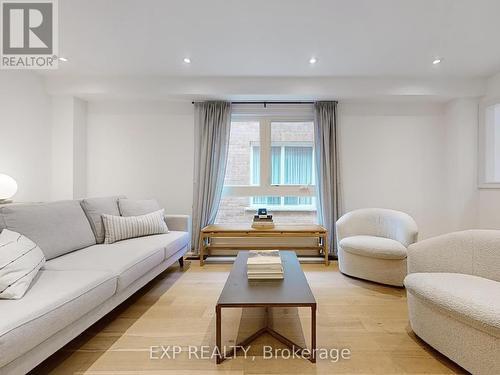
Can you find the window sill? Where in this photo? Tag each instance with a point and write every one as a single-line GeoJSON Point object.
{"type": "Point", "coordinates": [489, 186]}
{"type": "Point", "coordinates": [281, 209]}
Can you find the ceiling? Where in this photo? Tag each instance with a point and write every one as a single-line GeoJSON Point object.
{"type": "Point", "coordinates": [263, 38]}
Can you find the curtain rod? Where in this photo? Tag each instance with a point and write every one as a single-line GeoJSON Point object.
{"type": "Point", "coordinates": [267, 102]}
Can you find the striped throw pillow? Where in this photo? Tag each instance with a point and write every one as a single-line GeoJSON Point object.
{"type": "Point", "coordinates": [118, 228]}
{"type": "Point", "coordinates": [20, 260]}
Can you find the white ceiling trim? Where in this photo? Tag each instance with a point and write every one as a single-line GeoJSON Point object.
{"type": "Point", "coordinates": [265, 88]}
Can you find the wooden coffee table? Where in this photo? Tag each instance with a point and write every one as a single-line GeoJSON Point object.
{"type": "Point", "coordinates": [292, 291]}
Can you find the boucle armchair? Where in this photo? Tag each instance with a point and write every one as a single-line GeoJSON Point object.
{"type": "Point", "coordinates": [372, 244]}
{"type": "Point", "coordinates": [453, 289]}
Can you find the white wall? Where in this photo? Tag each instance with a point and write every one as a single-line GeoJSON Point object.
{"type": "Point", "coordinates": [392, 157]}
{"type": "Point", "coordinates": [69, 147]}
{"type": "Point", "coordinates": [461, 121]}
{"type": "Point", "coordinates": [62, 148]}
{"type": "Point", "coordinates": [142, 150]}
{"type": "Point", "coordinates": [489, 199]}
{"type": "Point", "coordinates": [79, 148]}
{"type": "Point", "coordinates": [25, 138]}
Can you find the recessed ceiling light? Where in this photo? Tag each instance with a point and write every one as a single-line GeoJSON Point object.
{"type": "Point", "coordinates": [187, 60]}
{"type": "Point", "coordinates": [437, 61]}
{"type": "Point", "coordinates": [313, 60]}
{"type": "Point", "coordinates": [63, 59]}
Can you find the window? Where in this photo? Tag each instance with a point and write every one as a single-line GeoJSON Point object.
{"type": "Point", "coordinates": [290, 165]}
{"type": "Point", "coordinates": [490, 147]}
{"type": "Point", "coordinates": [270, 164]}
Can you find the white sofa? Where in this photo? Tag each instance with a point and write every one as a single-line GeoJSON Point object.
{"type": "Point", "coordinates": [81, 281]}
{"type": "Point", "coordinates": [453, 288]}
{"type": "Point", "coordinates": [372, 244]}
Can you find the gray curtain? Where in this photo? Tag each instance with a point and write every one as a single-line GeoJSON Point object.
{"type": "Point", "coordinates": [212, 127]}
{"type": "Point", "coordinates": [327, 168]}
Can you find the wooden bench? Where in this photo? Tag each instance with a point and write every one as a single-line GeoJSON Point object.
{"type": "Point", "coordinates": [246, 231]}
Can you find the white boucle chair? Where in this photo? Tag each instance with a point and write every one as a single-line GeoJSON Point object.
{"type": "Point", "coordinates": [372, 244]}
{"type": "Point", "coordinates": [453, 290]}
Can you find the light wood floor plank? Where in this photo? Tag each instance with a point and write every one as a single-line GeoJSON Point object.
{"type": "Point", "coordinates": [177, 308]}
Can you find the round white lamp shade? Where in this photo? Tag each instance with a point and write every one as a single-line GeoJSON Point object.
{"type": "Point", "coordinates": [8, 187]}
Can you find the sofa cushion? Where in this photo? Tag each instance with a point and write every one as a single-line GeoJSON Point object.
{"type": "Point", "coordinates": [54, 300]}
{"type": "Point", "coordinates": [56, 227]}
{"type": "Point", "coordinates": [128, 259]}
{"type": "Point", "coordinates": [94, 208]}
{"type": "Point", "coordinates": [374, 247]}
{"type": "Point", "coordinates": [132, 207]}
{"type": "Point", "coordinates": [177, 241]}
{"type": "Point", "coordinates": [470, 299]}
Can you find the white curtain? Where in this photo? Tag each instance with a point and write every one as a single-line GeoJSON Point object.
{"type": "Point", "coordinates": [298, 171]}
{"type": "Point", "coordinates": [212, 128]}
{"type": "Point", "coordinates": [328, 192]}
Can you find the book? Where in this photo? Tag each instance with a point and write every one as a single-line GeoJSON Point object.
{"type": "Point", "coordinates": [264, 271]}
{"type": "Point", "coordinates": [263, 218]}
{"type": "Point", "coordinates": [264, 264]}
{"type": "Point", "coordinates": [260, 273]}
{"type": "Point", "coordinates": [266, 277]}
{"type": "Point", "coordinates": [265, 267]}
{"type": "Point", "coordinates": [268, 217]}
{"type": "Point", "coordinates": [264, 257]}
{"type": "Point", "coordinates": [262, 221]}
{"type": "Point", "coordinates": [262, 225]}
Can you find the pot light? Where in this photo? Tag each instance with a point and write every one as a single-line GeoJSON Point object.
{"type": "Point", "coordinates": [187, 60]}
{"type": "Point", "coordinates": [63, 59]}
{"type": "Point", "coordinates": [313, 60]}
{"type": "Point", "coordinates": [437, 61]}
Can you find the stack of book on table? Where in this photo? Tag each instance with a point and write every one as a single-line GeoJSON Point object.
{"type": "Point", "coordinates": [263, 221]}
{"type": "Point", "coordinates": [264, 264]}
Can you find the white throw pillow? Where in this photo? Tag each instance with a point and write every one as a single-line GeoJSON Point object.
{"type": "Point", "coordinates": [20, 260]}
{"type": "Point", "coordinates": [118, 228]}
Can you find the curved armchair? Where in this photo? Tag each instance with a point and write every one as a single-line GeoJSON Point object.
{"type": "Point", "coordinates": [453, 290]}
{"type": "Point", "coordinates": [372, 244]}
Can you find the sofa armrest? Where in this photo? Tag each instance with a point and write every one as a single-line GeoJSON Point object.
{"type": "Point", "coordinates": [180, 223]}
{"type": "Point", "coordinates": [342, 228]}
{"type": "Point", "coordinates": [473, 252]}
{"type": "Point", "coordinates": [451, 252]}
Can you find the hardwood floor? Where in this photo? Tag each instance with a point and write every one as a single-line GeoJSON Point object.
{"type": "Point", "coordinates": [178, 308]}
